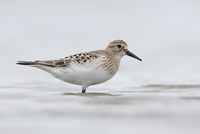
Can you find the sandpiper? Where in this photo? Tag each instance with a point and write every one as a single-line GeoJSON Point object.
{"type": "Point", "coordinates": [87, 68]}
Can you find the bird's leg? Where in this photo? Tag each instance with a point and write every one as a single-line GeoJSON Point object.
{"type": "Point", "coordinates": [83, 89]}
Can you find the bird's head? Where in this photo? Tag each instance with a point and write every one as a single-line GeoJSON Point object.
{"type": "Point", "coordinates": [119, 48]}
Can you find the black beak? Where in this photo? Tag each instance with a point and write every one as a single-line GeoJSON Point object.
{"type": "Point", "coordinates": [133, 55]}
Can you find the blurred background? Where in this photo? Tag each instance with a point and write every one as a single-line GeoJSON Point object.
{"type": "Point", "coordinates": [165, 34]}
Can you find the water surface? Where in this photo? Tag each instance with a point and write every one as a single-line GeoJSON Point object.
{"type": "Point", "coordinates": [145, 109]}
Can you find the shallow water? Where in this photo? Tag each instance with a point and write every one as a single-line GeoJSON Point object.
{"type": "Point", "coordinates": [145, 109]}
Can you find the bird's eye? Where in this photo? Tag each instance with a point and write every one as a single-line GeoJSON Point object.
{"type": "Point", "coordinates": [119, 46]}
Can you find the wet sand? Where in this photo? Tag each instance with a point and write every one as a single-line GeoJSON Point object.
{"type": "Point", "coordinates": [147, 109]}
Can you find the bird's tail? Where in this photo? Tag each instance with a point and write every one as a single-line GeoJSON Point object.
{"type": "Point", "coordinates": [30, 63]}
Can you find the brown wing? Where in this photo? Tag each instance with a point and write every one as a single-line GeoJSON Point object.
{"type": "Point", "coordinates": [80, 58]}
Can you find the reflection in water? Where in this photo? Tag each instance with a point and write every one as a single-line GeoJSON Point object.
{"type": "Point", "coordinates": [91, 94]}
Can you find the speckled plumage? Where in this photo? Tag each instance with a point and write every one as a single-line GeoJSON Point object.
{"type": "Point", "coordinates": [87, 68]}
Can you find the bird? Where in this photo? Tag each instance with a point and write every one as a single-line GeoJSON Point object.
{"type": "Point", "coordinates": [86, 68]}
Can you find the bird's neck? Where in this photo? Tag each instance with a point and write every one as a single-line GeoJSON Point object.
{"type": "Point", "coordinates": [114, 55]}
